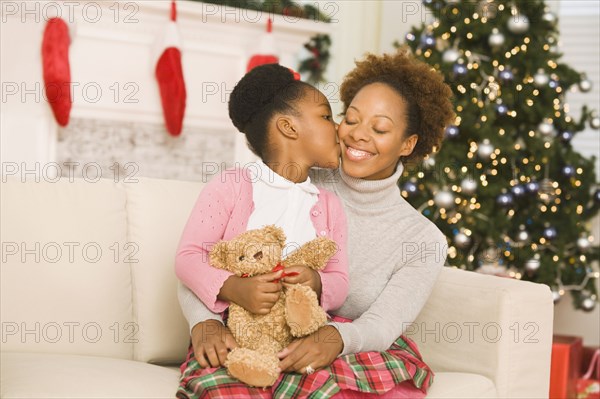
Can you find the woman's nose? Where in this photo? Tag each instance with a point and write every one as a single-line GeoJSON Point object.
{"type": "Point", "coordinates": [359, 133]}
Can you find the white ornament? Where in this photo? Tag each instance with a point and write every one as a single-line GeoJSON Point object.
{"type": "Point", "coordinates": [462, 240]}
{"type": "Point", "coordinates": [485, 149]}
{"type": "Point", "coordinates": [595, 122]}
{"type": "Point", "coordinates": [556, 297]}
{"type": "Point", "coordinates": [444, 199]}
{"type": "Point", "coordinates": [532, 265]}
{"type": "Point", "coordinates": [468, 186]}
{"type": "Point", "coordinates": [583, 244]}
{"type": "Point", "coordinates": [549, 17]}
{"type": "Point", "coordinates": [518, 24]}
{"type": "Point", "coordinates": [585, 85]}
{"type": "Point", "coordinates": [523, 236]}
{"type": "Point", "coordinates": [540, 79]}
{"type": "Point", "coordinates": [450, 56]}
{"type": "Point", "coordinates": [496, 39]}
{"type": "Point", "coordinates": [588, 304]}
{"type": "Point", "coordinates": [546, 128]}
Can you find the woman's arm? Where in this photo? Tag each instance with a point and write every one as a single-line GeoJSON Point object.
{"type": "Point", "coordinates": [211, 339]}
{"type": "Point", "coordinates": [205, 227]}
{"type": "Point", "coordinates": [392, 312]}
{"type": "Point", "coordinates": [401, 300]}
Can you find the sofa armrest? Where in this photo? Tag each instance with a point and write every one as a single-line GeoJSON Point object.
{"type": "Point", "coordinates": [497, 327]}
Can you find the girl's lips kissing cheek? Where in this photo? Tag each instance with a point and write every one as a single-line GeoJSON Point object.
{"type": "Point", "coordinates": [354, 154]}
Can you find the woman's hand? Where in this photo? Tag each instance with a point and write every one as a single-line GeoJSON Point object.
{"type": "Point", "coordinates": [255, 294]}
{"type": "Point", "coordinates": [317, 350]}
{"type": "Point", "coordinates": [306, 276]}
{"type": "Point", "coordinates": [212, 341]}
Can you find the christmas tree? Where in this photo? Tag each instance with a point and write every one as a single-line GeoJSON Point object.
{"type": "Point", "coordinates": [508, 189]}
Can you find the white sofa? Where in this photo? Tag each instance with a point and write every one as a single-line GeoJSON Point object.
{"type": "Point", "coordinates": [89, 306]}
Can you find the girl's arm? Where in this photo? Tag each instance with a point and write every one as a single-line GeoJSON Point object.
{"type": "Point", "coordinates": [205, 227]}
{"type": "Point", "coordinates": [331, 283]}
{"type": "Point", "coordinates": [334, 277]}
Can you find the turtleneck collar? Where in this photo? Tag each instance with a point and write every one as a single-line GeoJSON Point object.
{"type": "Point", "coordinates": [372, 193]}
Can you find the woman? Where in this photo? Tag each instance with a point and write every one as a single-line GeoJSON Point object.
{"type": "Point", "coordinates": [395, 111]}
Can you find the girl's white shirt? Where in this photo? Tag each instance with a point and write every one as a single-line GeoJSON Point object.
{"type": "Point", "coordinates": [283, 203]}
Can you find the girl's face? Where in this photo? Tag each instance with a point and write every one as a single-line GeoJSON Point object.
{"type": "Point", "coordinates": [372, 133]}
{"type": "Point", "coordinates": [318, 135]}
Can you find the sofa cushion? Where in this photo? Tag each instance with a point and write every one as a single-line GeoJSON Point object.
{"type": "Point", "coordinates": [461, 386]}
{"type": "Point", "coordinates": [157, 211]}
{"type": "Point", "coordinates": [65, 285]}
{"type": "Point", "coordinates": [39, 375]}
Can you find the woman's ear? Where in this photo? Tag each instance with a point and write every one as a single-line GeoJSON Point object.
{"type": "Point", "coordinates": [408, 145]}
{"type": "Point", "coordinates": [286, 126]}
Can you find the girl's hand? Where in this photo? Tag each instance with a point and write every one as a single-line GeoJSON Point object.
{"type": "Point", "coordinates": [255, 294]}
{"type": "Point", "coordinates": [317, 350]}
{"type": "Point", "coordinates": [306, 276]}
{"type": "Point", "coordinates": [212, 341]}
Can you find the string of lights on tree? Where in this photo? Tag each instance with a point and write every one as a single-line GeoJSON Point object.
{"type": "Point", "coordinates": [508, 189]}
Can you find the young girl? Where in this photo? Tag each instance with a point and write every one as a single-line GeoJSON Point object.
{"type": "Point", "coordinates": [289, 125]}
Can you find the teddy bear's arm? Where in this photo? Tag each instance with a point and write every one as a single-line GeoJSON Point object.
{"type": "Point", "coordinates": [314, 254]}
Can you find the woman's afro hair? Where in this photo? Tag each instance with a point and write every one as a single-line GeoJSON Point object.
{"type": "Point", "coordinates": [427, 97]}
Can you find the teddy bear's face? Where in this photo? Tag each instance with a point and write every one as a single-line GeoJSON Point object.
{"type": "Point", "coordinates": [251, 253]}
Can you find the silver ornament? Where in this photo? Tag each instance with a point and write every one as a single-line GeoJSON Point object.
{"type": "Point", "coordinates": [429, 162]}
{"type": "Point", "coordinates": [523, 235]}
{"type": "Point", "coordinates": [556, 297]}
{"type": "Point", "coordinates": [546, 128]}
{"type": "Point", "coordinates": [588, 304]}
{"type": "Point", "coordinates": [468, 186]}
{"type": "Point", "coordinates": [444, 199]}
{"type": "Point", "coordinates": [583, 243]}
{"type": "Point", "coordinates": [485, 149]}
{"type": "Point", "coordinates": [585, 85]}
{"type": "Point", "coordinates": [595, 122]}
{"type": "Point", "coordinates": [540, 79]}
{"type": "Point", "coordinates": [532, 265]}
{"type": "Point", "coordinates": [549, 17]}
{"type": "Point", "coordinates": [496, 39]}
{"type": "Point", "coordinates": [461, 240]}
{"type": "Point", "coordinates": [450, 56]}
{"type": "Point", "coordinates": [518, 24]}
{"type": "Point", "coordinates": [547, 191]}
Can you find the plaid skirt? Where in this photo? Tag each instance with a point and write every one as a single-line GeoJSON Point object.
{"type": "Point", "coordinates": [365, 372]}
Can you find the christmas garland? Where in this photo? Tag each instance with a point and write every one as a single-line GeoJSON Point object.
{"type": "Point", "coordinates": [318, 46]}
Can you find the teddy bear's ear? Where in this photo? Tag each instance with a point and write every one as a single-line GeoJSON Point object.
{"type": "Point", "coordinates": [275, 234]}
{"type": "Point", "coordinates": [218, 255]}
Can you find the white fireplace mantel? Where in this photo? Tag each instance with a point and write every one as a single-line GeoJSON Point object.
{"type": "Point", "coordinates": [112, 59]}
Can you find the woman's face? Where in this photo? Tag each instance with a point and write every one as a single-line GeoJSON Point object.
{"type": "Point", "coordinates": [318, 135]}
{"type": "Point", "coordinates": [372, 133]}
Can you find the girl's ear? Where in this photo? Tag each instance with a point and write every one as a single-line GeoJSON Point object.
{"type": "Point", "coordinates": [408, 145]}
{"type": "Point", "coordinates": [286, 126]}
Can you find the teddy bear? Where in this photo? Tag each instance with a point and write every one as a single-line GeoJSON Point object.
{"type": "Point", "coordinates": [296, 314]}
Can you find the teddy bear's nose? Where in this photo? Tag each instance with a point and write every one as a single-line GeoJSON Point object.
{"type": "Point", "coordinates": [258, 255]}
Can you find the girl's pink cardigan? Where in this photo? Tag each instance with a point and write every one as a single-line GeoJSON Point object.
{"type": "Point", "coordinates": [222, 212]}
